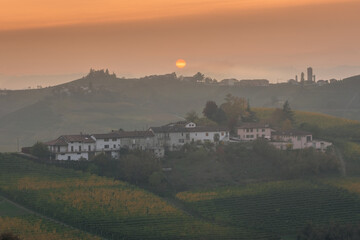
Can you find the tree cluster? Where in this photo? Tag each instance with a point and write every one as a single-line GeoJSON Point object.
{"type": "Point", "coordinates": [41, 151]}
{"type": "Point", "coordinates": [230, 113]}
{"type": "Point", "coordinates": [283, 118]}
{"type": "Point", "coordinates": [298, 163]}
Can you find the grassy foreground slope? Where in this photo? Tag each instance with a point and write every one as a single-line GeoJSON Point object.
{"type": "Point", "coordinates": [31, 227]}
{"type": "Point", "coordinates": [282, 207]}
{"type": "Point", "coordinates": [108, 208]}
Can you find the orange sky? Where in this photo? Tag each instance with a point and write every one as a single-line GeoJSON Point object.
{"type": "Point", "coordinates": [245, 38]}
{"type": "Point", "coordinates": [16, 14]}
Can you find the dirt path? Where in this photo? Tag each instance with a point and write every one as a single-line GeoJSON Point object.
{"type": "Point", "coordinates": [342, 162]}
{"type": "Point", "coordinates": [45, 217]}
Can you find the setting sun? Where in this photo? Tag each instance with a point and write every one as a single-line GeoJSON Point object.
{"type": "Point", "coordinates": [180, 63]}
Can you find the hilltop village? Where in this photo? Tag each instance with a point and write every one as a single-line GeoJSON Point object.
{"type": "Point", "coordinates": [172, 137]}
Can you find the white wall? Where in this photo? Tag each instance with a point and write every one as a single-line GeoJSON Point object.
{"type": "Point", "coordinates": [56, 149]}
{"type": "Point", "coordinates": [80, 147]}
{"type": "Point", "coordinates": [209, 136]}
{"type": "Point", "coordinates": [113, 145]}
{"type": "Point", "coordinates": [139, 143]}
{"type": "Point", "coordinates": [249, 134]}
{"type": "Point", "coordinates": [321, 145]}
{"type": "Point", "coordinates": [73, 156]}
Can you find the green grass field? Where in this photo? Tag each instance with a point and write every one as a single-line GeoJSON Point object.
{"type": "Point", "coordinates": [108, 208]}
{"type": "Point", "coordinates": [31, 227]}
{"type": "Point", "coordinates": [8, 209]}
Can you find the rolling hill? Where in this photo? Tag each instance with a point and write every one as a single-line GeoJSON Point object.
{"type": "Point", "coordinates": [100, 102]}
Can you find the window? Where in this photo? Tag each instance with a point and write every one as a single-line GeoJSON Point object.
{"type": "Point", "coordinates": [207, 134]}
{"type": "Point", "coordinates": [58, 148]}
{"type": "Point", "coordinates": [89, 148]}
{"type": "Point", "coordinates": [263, 135]}
{"type": "Point", "coordinates": [181, 140]}
{"type": "Point", "coordinates": [114, 139]}
{"type": "Point", "coordinates": [106, 140]}
{"type": "Point", "coordinates": [78, 153]}
{"type": "Point", "coordinates": [251, 130]}
{"type": "Point", "coordinates": [72, 148]}
{"type": "Point", "coordinates": [308, 138]}
{"type": "Point", "coordinates": [263, 130]}
{"type": "Point", "coordinates": [69, 158]}
{"type": "Point", "coordinates": [79, 148]}
{"type": "Point", "coordinates": [106, 146]}
{"type": "Point", "coordinates": [114, 145]}
{"type": "Point", "coordinates": [298, 138]}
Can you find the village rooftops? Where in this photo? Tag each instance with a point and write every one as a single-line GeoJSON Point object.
{"type": "Point", "coordinates": [106, 135]}
{"type": "Point", "coordinates": [185, 126]}
{"type": "Point", "coordinates": [134, 134]}
{"type": "Point", "coordinates": [57, 142]}
{"type": "Point", "coordinates": [253, 125]}
{"type": "Point", "coordinates": [65, 139]}
{"type": "Point", "coordinates": [291, 133]}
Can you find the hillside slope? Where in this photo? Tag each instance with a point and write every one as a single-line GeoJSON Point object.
{"type": "Point", "coordinates": [101, 102]}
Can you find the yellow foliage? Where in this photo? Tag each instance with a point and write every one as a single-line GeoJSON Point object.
{"type": "Point", "coordinates": [351, 184]}
{"type": "Point", "coordinates": [251, 189]}
{"type": "Point", "coordinates": [39, 183]}
{"type": "Point", "coordinates": [121, 202]}
{"type": "Point", "coordinates": [319, 119]}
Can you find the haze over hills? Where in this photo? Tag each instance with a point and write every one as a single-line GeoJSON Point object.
{"type": "Point", "coordinates": [101, 102]}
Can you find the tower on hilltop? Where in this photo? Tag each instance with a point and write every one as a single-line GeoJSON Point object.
{"type": "Point", "coordinates": [309, 75]}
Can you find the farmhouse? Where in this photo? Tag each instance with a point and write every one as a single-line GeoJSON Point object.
{"type": "Point", "coordinates": [253, 131]}
{"type": "Point", "coordinates": [174, 135]}
{"type": "Point", "coordinates": [108, 143]}
{"type": "Point", "coordinates": [72, 147]}
{"type": "Point", "coordinates": [297, 139]}
{"type": "Point", "coordinates": [142, 140]}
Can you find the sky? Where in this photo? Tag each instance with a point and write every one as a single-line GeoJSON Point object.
{"type": "Point", "coordinates": [47, 42]}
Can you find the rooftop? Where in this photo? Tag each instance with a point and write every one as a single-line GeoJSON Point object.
{"type": "Point", "coordinates": [293, 132]}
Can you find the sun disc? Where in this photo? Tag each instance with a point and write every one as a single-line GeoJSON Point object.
{"type": "Point", "coordinates": [180, 63]}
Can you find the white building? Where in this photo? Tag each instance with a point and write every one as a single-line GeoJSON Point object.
{"type": "Point", "coordinates": [174, 135]}
{"type": "Point", "coordinates": [142, 140]}
{"type": "Point", "coordinates": [297, 139]}
{"type": "Point", "coordinates": [72, 147]}
{"type": "Point", "coordinates": [108, 143]}
{"type": "Point", "coordinates": [253, 131]}
{"type": "Point", "coordinates": [76, 147]}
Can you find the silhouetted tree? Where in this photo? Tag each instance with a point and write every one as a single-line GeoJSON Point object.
{"type": "Point", "coordinates": [220, 116]}
{"type": "Point", "coordinates": [210, 110]}
{"type": "Point", "coordinates": [198, 77]}
{"type": "Point", "coordinates": [249, 115]}
{"type": "Point", "coordinates": [191, 116]}
{"type": "Point", "coordinates": [288, 113]}
{"type": "Point", "coordinates": [41, 151]}
{"type": "Point", "coordinates": [234, 108]}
